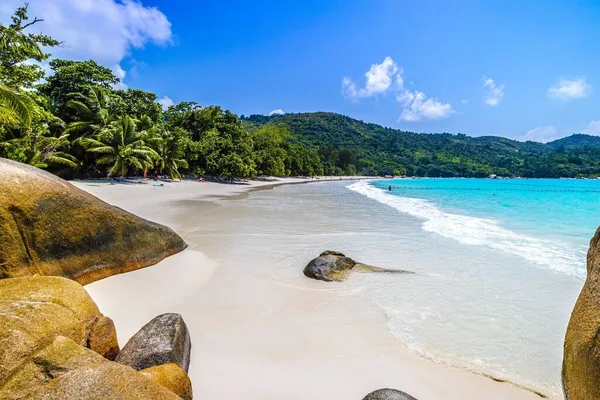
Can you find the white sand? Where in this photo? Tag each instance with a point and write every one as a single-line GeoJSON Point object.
{"type": "Point", "coordinates": [255, 339]}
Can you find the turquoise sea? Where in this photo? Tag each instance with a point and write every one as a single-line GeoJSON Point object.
{"type": "Point", "coordinates": [546, 221]}
{"type": "Point", "coordinates": [501, 270]}
{"type": "Point", "coordinates": [498, 263]}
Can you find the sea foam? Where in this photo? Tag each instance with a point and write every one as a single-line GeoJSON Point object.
{"type": "Point", "coordinates": [482, 232]}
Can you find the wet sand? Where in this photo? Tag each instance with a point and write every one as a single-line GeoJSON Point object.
{"type": "Point", "coordinates": [253, 338]}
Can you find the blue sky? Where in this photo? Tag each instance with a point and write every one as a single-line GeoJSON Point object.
{"type": "Point", "coordinates": [522, 69]}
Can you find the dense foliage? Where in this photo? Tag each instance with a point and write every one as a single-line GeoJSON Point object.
{"type": "Point", "coordinates": [348, 145]}
{"type": "Point", "coordinates": [75, 123]}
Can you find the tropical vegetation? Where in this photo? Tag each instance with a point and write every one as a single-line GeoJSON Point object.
{"type": "Point", "coordinates": [77, 123]}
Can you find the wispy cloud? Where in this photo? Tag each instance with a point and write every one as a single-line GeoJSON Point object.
{"type": "Point", "coordinates": [542, 134]}
{"type": "Point", "coordinates": [494, 93]}
{"type": "Point", "coordinates": [277, 111]}
{"type": "Point", "coordinates": [566, 89]}
{"type": "Point", "coordinates": [416, 106]}
{"type": "Point", "coordinates": [593, 128]}
{"type": "Point", "coordinates": [387, 76]}
{"type": "Point", "coordinates": [165, 102]}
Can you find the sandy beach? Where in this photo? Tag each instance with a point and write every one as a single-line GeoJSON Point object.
{"type": "Point", "coordinates": [253, 338]}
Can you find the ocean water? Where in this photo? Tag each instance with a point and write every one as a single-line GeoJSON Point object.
{"type": "Point", "coordinates": [498, 263]}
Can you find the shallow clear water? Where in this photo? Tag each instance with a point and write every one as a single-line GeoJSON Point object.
{"type": "Point", "coordinates": [496, 276]}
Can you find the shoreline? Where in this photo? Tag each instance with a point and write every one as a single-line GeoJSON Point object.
{"type": "Point", "coordinates": [107, 292]}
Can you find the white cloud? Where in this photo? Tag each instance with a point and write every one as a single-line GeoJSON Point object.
{"type": "Point", "coordinates": [593, 128]}
{"type": "Point", "coordinates": [493, 92]}
{"type": "Point", "coordinates": [464, 101]}
{"type": "Point", "coordinates": [566, 89]}
{"type": "Point", "coordinates": [120, 73]}
{"type": "Point", "coordinates": [103, 30]}
{"type": "Point", "coordinates": [165, 102]}
{"type": "Point", "coordinates": [542, 134]}
{"type": "Point", "coordinates": [416, 106]}
{"type": "Point", "coordinates": [379, 78]}
{"type": "Point", "coordinates": [278, 111]}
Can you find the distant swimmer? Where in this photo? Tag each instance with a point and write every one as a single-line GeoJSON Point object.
{"type": "Point", "coordinates": [390, 188]}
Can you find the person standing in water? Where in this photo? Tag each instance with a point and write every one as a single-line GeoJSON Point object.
{"type": "Point", "coordinates": [390, 188]}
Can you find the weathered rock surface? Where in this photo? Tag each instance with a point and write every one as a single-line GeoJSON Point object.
{"type": "Point", "coordinates": [581, 364]}
{"type": "Point", "coordinates": [329, 266]}
{"type": "Point", "coordinates": [172, 377]}
{"type": "Point", "coordinates": [34, 311]}
{"type": "Point", "coordinates": [105, 381]}
{"type": "Point", "coordinates": [64, 370]}
{"type": "Point", "coordinates": [52, 361]}
{"type": "Point", "coordinates": [163, 340]}
{"type": "Point", "coordinates": [49, 227]}
{"type": "Point", "coordinates": [388, 394]}
{"type": "Point", "coordinates": [335, 266]}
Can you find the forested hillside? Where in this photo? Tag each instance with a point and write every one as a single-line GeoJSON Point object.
{"type": "Point", "coordinates": [353, 145]}
{"type": "Point", "coordinates": [77, 123]}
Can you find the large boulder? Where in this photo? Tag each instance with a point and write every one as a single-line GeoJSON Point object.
{"type": "Point", "coordinates": [581, 364]}
{"type": "Point", "coordinates": [34, 311]}
{"type": "Point", "coordinates": [172, 377]}
{"type": "Point", "coordinates": [64, 370]}
{"type": "Point", "coordinates": [388, 394]}
{"type": "Point", "coordinates": [49, 227]}
{"type": "Point", "coordinates": [163, 340]}
{"type": "Point", "coordinates": [333, 266]}
{"type": "Point", "coordinates": [48, 363]}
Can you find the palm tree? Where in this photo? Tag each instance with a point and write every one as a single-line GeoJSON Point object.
{"type": "Point", "coordinates": [93, 111]}
{"type": "Point", "coordinates": [171, 155]}
{"type": "Point", "coordinates": [122, 148]}
{"type": "Point", "coordinates": [48, 150]}
{"type": "Point", "coordinates": [41, 151]}
{"type": "Point", "coordinates": [15, 107]}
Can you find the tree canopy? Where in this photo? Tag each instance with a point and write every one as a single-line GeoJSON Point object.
{"type": "Point", "coordinates": [76, 123]}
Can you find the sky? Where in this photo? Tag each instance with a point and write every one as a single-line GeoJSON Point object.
{"type": "Point", "coordinates": [528, 70]}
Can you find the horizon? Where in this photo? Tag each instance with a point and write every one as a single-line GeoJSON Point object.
{"type": "Point", "coordinates": [521, 71]}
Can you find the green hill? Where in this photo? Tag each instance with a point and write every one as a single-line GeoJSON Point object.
{"type": "Point", "coordinates": [575, 141]}
{"type": "Point", "coordinates": [373, 149]}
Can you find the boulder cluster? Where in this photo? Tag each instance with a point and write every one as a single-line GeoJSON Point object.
{"type": "Point", "coordinates": [55, 344]}
{"type": "Point", "coordinates": [54, 341]}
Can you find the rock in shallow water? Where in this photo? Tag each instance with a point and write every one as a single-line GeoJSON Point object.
{"type": "Point", "coordinates": [388, 394]}
{"type": "Point", "coordinates": [34, 311]}
{"type": "Point", "coordinates": [49, 227]}
{"type": "Point", "coordinates": [333, 266]}
{"type": "Point", "coordinates": [581, 364]}
{"type": "Point", "coordinates": [329, 266]}
{"type": "Point", "coordinates": [163, 340]}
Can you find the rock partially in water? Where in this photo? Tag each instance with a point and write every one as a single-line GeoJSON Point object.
{"type": "Point", "coordinates": [329, 266]}
{"type": "Point", "coordinates": [388, 394]}
{"type": "Point", "coordinates": [581, 364]}
{"type": "Point", "coordinates": [172, 377]}
{"type": "Point", "coordinates": [163, 340]}
{"type": "Point", "coordinates": [49, 227]}
{"type": "Point", "coordinates": [333, 266]}
{"type": "Point", "coordinates": [34, 311]}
